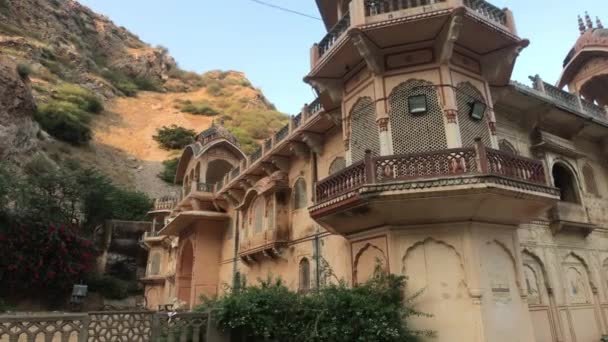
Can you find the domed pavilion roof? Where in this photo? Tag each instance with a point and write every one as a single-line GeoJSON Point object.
{"type": "Point", "coordinates": [593, 42]}
{"type": "Point", "coordinates": [216, 132]}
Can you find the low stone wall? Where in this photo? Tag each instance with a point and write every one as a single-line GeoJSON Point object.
{"type": "Point", "coordinates": [106, 326]}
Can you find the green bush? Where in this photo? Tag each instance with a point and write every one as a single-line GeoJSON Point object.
{"type": "Point", "coordinates": [24, 70]}
{"type": "Point", "coordinates": [168, 172]}
{"type": "Point", "coordinates": [174, 137]}
{"type": "Point", "coordinates": [374, 311]}
{"type": "Point", "coordinates": [215, 89]}
{"type": "Point", "coordinates": [149, 84]}
{"type": "Point", "coordinates": [65, 121]}
{"type": "Point", "coordinates": [83, 98]}
{"type": "Point", "coordinates": [198, 108]}
{"type": "Point", "coordinates": [121, 82]}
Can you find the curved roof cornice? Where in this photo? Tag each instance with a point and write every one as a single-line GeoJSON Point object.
{"type": "Point", "coordinates": [197, 149]}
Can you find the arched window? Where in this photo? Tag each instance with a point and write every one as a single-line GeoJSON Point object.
{"type": "Point", "coordinates": [418, 132]}
{"type": "Point", "coordinates": [304, 271]}
{"type": "Point", "coordinates": [565, 180]}
{"type": "Point", "coordinates": [258, 215]}
{"type": "Point", "coordinates": [364, 130]}
{"type": "Point", "coordinates": [299, 194]}
{"type": "Point", "coordinates": [336, 165]}
{"type": "Point", "coordinates": [155, 264]}
{"type": "Point", "coordinates": [590, 184]}
{"type": "Point", "coordinates": [505, 146]}
{"type": "Point", "coordinates": [270, 213]}
{"type": "Point", "coordinates": [471, 128]}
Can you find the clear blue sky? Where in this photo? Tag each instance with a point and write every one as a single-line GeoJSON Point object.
{"type": "Point", "coordinates": [272, 47]}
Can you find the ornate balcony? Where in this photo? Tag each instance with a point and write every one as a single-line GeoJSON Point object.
{"type": "Point", "coordinates": [166, 203]}
{"type": "Point", "coordinates": [443, 186]}
{"type": "Point", "coordinates": [266, 244]}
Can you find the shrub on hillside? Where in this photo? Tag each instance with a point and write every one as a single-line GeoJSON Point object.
{"type": "Point", "coordinates": [81, 97]}
{"type": "Point", "coordinates": [65, 121]}
{"type": "Point", "coordinates": [197, 108]}
{"type": "Point", "coordinates": [215, 89]}
{"type": "Point", "coordinates": [120, 81]}
{"type": "Point", "coordinates": [168, 172]}
{"type": "Point", "coordinates": [149, 84]}
{"type": "Point", "coordinates": [24, 70]}
{"type": "Point", "coordinates": [174, 137]}
{"type": "Point", "coordinates": [374, 311]}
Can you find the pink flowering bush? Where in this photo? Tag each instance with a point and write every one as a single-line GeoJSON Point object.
{"type": "Point", "coordinates": [38, 258]}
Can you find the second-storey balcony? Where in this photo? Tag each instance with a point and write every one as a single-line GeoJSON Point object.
{"type": "Point", "coordinates": [389, 24]}
{"type": "Point", "coordinates": [265, 244]}
{"type": "Point", "coordinates": [456, 185]}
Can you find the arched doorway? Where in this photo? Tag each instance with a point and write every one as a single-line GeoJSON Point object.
{"type": "Point", "coordinates": [184, 278]}
{"type": "Point", "coordinates": [216, 170]}
{"type": "Point", "coordinates": [564, 179]}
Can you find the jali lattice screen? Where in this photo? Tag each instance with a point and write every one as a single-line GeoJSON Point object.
{"type": "Point", "coordinates": [421, 132]}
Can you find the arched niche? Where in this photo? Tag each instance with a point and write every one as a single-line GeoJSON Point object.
{"type": "Point", "coordinates": [304, 275]}
{"type": "Point", "coordinates": [435, 270]}
{"type": "Point", "coordinates": [364, 133]}
{"type": "Point", "coordinates": [564, 178]}
{"type": "Point", "coordinates": [369, 260]}
{"type": "Point", "coordinates": [216, 170]}
{"type": "Point", "coordinates": [186, 265]}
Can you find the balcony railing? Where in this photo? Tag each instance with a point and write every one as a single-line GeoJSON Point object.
{"type": "Point", "coordinates": [165, 203]}
{"type": "Point", "coordinates": [312, 110]}
{"type": "Point", "coordinates": [375, 7]}
{"type": "Point", "coordinates": [334, 34]}
{"type": "Point", "coordinates": [566, 99]}
{"type": "Point", "coordinates": [487, 10]}
{"type": "Point", "coordinates": [445, 163]}
{"type": "Point", "coordinates": [205, 187]}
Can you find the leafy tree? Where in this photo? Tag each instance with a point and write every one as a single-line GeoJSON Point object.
{"type": "Point", "coordinates": [42, 258]}
{"type": "Point", "coordinates": [174, 137]}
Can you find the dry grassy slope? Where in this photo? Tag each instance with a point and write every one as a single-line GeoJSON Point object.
{"type": "Point", "coordinates": [127, 129]}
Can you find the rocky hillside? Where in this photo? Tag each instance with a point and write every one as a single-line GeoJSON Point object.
{"type": "Point", "coordinates": [73, 85]}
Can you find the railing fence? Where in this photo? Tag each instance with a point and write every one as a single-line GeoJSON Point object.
{"type": "Point", "coordinates": [106, 326]}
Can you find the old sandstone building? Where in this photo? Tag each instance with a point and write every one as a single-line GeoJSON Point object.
{"type": "Point", "coordinates": [422, 156]}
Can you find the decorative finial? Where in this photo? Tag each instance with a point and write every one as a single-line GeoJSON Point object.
{"type": "Point", "coordinates": [599, 23]}
{"type": "Point", "coordinates": [581, 25]}
{"type": "Point", "coordinates": [588, 20]}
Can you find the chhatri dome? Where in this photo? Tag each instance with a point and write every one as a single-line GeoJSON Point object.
{"type": "Point", "coordinates": [586, 66]}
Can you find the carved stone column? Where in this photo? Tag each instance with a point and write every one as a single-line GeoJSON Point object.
{"type": "Point", "coordinates": [386, 147]}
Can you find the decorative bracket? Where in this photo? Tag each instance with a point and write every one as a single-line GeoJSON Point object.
{"type": "Point", "coordinates": [233, 201]}
{"type": "Point", "coordinates": [236, 194]}
{"type": "Point", "coordinates": [269, 168]}
{"type": "Point", "coordinates": [444, 46]}
{"type": "Point", "coordinates": [368, 50]}
{"type": "Point", "coordinates": [245, 185]}
{"type": "Point", "coordinates": [314, 141]}
{"type": "Point", "coordinates": [331, 86]}
{"type": "Point", "coordinates": [281, 162]}
{"type": "Point", "coordinates": [498, 65]}
{"type": "Point", "coordinates": [300, 149]}
{"type": "Point", "coordinates": [252, 179]}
